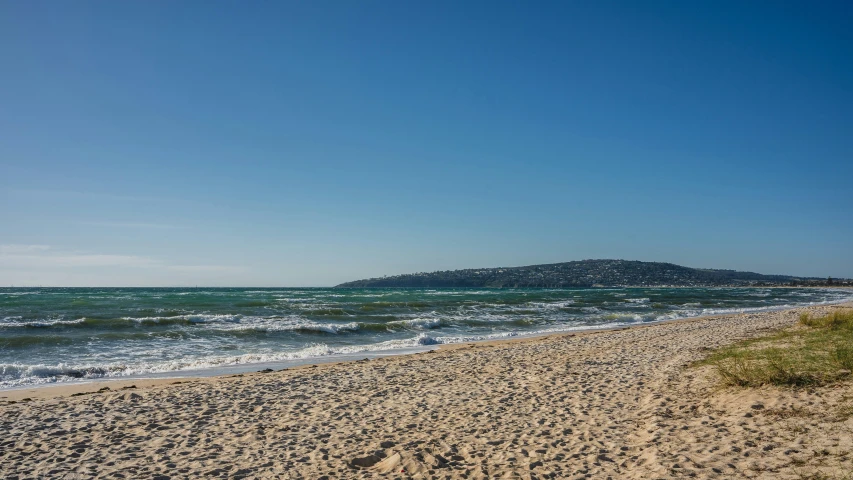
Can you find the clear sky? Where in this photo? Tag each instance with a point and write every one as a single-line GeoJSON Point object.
{"type": "Point", "coordinates": [310, 143]}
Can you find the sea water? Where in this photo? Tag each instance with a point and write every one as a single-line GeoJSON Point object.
{"type": "Point", "coordinates": [71, 334]}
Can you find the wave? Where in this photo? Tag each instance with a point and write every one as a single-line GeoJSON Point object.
{"type": "Point", "coordinates": [40, 323]}
{"type": "Point", "coordinates": [18, 322]}
{"type": "Point", "coordinates": [418, 322]}
{"type": "Point", "coordinates": [329, 312]}
{"type": "Point", "coordinates": [303, 326]}
{"type": "Point", "coordinates": [552, 305]}
{"type": "Point", "coordinates": [14, 374]}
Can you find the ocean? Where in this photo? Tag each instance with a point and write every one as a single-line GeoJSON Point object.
{"type": "Point", "coordinates": [50, 335]}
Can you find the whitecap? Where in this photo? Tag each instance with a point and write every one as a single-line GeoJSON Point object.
{"type": "Point", "coordinates": [419, 322]}
{"type": "Point", "coordinates": [37, 323]}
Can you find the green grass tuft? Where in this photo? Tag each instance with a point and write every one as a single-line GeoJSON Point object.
{"type": "Point", "coordinates": [840, 320]}
{"type": "Point", "coordinates": [816, 352]}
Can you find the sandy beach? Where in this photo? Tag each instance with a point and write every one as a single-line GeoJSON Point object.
{"type": "Point", "coordinates": [612, 404]}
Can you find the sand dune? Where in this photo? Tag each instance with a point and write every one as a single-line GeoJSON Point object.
{"type": "Point", "coordinates": [618, 404]}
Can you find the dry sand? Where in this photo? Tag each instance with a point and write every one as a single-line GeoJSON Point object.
{"type": "Point", "coordinates": [615, 404]}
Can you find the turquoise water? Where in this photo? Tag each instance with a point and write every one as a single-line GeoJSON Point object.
{"type": "Point", "coordinates": [65, 334]}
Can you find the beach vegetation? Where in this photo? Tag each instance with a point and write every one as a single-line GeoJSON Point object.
{"type": "Point", "coordinates": [817, 351]}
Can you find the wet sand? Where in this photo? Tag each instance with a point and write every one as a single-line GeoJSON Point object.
{"type": "Point", "coordinates": [621, 403]}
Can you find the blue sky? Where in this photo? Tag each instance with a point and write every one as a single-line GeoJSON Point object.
{"type": "Point", "coordinates": [310, 143]}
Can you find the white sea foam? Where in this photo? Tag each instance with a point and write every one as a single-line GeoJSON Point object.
{"type": "Point", "coordinates": [192, 318]}
{"type": "Point", "coordinates": [260, 324]}
{"type": "Point", "coordinates": [552, 305]}
{"type": "Point", "coordinates": [292, 325]}
{"type": "Point", "coordinates": [12, 323]}
{"type": "Point", "coordinates": [481, 316]}
{"type": "Point", "coordinates": [419, 322]}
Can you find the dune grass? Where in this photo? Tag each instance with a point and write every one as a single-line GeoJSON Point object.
{"type": "Point", "coordinates": [816, 352]}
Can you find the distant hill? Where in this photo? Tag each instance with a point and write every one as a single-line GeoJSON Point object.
{"type": "Point", "coordinates": [588, 273]}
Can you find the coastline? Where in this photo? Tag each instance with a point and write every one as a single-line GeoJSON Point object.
{"type": "Point", "coordinates": [622, 402]}
{"type": "Point", "coordinates": [59, 389]}
{"type": "Point", "coordinates": [152, 334]}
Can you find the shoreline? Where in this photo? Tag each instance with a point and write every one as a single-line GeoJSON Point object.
{"type": "Point", "coordinates": [89, 386]}
{"type": "Point", "coordinates": [621, 403]}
